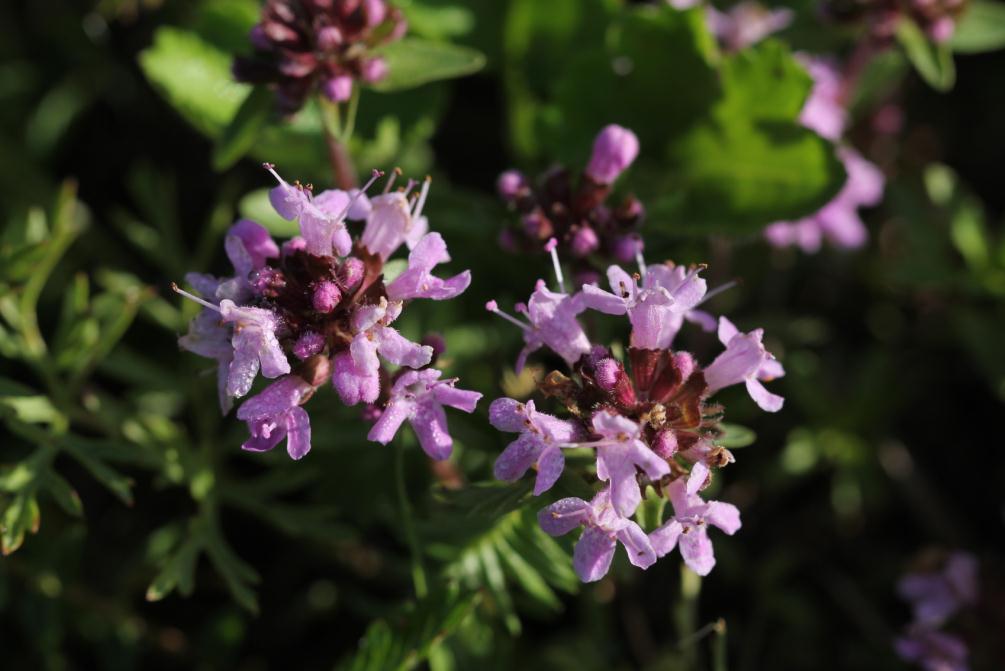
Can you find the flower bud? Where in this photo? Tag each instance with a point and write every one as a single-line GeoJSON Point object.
{"type": "Point", "coordinates": [613, 151]}
{"type": "Point", "coordinates": [338, 89]}
{"type": "Point", "coordinates": [374, 70]}
{"type": "Point", "coordinates": [326, 296]}
{"type": "Point", "coordinates": [350, 274]}
{"type": "Point", "coordinates": [537, 226]}
{"type": "Point", "coordinates": [308, 344]}
{"type": "Point", "coordinates": [316, 370]}
{"type": "Point", "coordinates": [267, 281]}
{"type": "Point", "coordinates": [607, 373]}
{"type": "Point", "coordinates": [510, 183]}
{"type": "Point", "coordinates": [259, 40]}
{"type": "Point", "coordinates": [329, 38]}
{"type": "Point", "coordinates": [665, 444]}
{"type": "Point", "coordinates": [584, 242]}
{"type": "Point", "coordinates": [625, 248]}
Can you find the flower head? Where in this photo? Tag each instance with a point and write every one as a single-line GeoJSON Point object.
{"type": "Point", "coordinates": [936, 595]}
{"type": "Point", "coordinates": [603, 529]}
{"type": "Point", "coordinates": [302, 46]}
{"type": "Point", "coordinates": [933, 650]}
{"type": "Point", "coordinates": [746, 24]}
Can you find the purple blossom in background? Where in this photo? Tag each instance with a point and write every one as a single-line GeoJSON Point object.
{"type": "Point", "coordinates": [745, 360]}
{"type": "Point", "coordinates": [746, 24]}
{"type": "Point", "coordinates": [933, 650]}
{"type": "Point", "coordinates": [688, 527]}
{"type": "Point", "coordinates": [936, 596]}
{"type": "Point", "coordinates": [303, 46]}
{"type": "Point", "coordinates": [603, 529]}
{"type": "Point", "coordinates": [575, 212]}
{"type": "Point", "coordinates": [419, 397]}
{"type": "Point", "coordinates": [316, 300]}
{"type": "Point", "coordinates": [838, 222]}
{"type": "Point", "coordinates": [542, 437]}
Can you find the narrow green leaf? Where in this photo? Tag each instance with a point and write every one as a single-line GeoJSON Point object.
{"type": "Point", "coordinates": [244, 129]}
{"type": "Point", "coordinates": [413, 62]}
{"type": "Point", "coordinates": [934, 62]}
{"type": "Point", "coordinates": [62, 493]}
{"type": "Point", "coordinates": [736, 436]}
{"type": "Point", "coordinates": [115, 482]}
{"type": "Point", "coordinates": [981, 28]}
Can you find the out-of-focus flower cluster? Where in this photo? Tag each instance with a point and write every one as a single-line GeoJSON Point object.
{"type": "Point", "coordinates": [838, 221]}
{"type": "Point", "coordinates": [305, 45]}
{"type": "Point", "coordinates": [937, 592]}
{"type": "Point", "coordinates": [320, 308]}
{"type": "Point", "coordinates": [937, 18]}
{"type": "Point", "coordinates": [589, 232]}
{"type": "Point", "coordinates": [649, 420]}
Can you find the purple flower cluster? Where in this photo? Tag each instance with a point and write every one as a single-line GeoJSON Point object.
{"type": "Point", "coordinates": [838, 221]}
{"type": "Point", "coordinates": [588, 231]}
{"type": "Point", "coordinates": [325, 45]}
{"type": "Point", "coordinates": [648, 423]}
{"type": "Point", "coordinates": [935, 595]}
{"type": "Point", "coordinates": [937, 18]}
{"type": "Point", "coordinates": [321, 301]}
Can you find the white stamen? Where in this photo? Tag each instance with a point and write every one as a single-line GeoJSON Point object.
{"type": "Point", "coordinates": [193, 297]}
{"type": "Point", "coordinates": [417, 212]}
{"type": "Point", "coordinates": [639, 259]}
{"type": "Point", "coordinates": [272, 169]}
{"type": "Point", "coordinates": [390, 182]}
{"type": "Point", "coordinates": [718, 290]}
{"type": "Point", "coordinates": [493, 307]}
{"type": "Point", "coordinates": [352, 201]}
{"type": "Point", "coordinates": [550, 247]}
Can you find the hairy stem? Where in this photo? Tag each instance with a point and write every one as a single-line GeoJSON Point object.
{"type": "Point", "coordinates": [418, 572]}
{"type": "Point", "coordinates": [338, 153]}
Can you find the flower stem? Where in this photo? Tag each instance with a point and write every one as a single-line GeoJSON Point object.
{"type": "Point", "coordinates": [686, 615]}
{"type": "Point", "coordinates": [418, 572]}
{"type": "Point", "coordinates": [338, 152]}
{"type": "Point", "coordinates": [719, 661]}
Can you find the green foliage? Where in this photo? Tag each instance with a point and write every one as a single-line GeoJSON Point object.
{"type": "Point", "coordinates": [413, 62]}
{"type": "Point", "coordinates": [933, 61]}
{"type": "Point", "coordinates": [980, 29]}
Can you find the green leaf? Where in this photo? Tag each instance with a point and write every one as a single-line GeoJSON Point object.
{"type": "Point", "coordinates": [62, 493]}
{"type": "Point", "coordinates": [736, 436]}
{"type": "Point", "coordinates": [981, 28]}
{"type": "Point", "coordinates": [194, 77]}
{"type": "Point", "coordinates": [115, 482]}
{"type": "Point", "coordinates": [413, 62]}
{"type": "Point", "coordinates": [177, 572]}
{"type": "Point", "coordinates": [437, 22]}
{"type": "Point", "coordinates": [20, 517]}
{"type": "Point", "coordinates": [934, 62]}
{"type": "Point", "coordinates": [244, 129]}
{"type": "Point", "coordinates": [750, 163]}
{"type": "Point", "coordinates": [405, 639]}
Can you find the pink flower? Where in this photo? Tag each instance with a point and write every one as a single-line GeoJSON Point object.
{"type": "Point", "coordinates": [419, 282]}
{"type": "Point", "coordinates": [689, 525]}
{"type": "Point", "coordinates": [392, 222]}
{"type": "Point", "coordinates": [540, 443]}
{"type": "Point", "coordinates": [619, 452]}
{"type": "Point", "coordinates": [275, 414]}
{"type": "Point", "coordinates": [419, 397]}
{"type": "Point", "coordinates": [613, 151]}
{"type": "Point", "coordinates": [745, 360]}
{"type": "Point", "coordinates": [604, 528]}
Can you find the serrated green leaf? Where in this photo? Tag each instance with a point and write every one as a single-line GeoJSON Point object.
{"type": "Point", "coordinates": [244, 129]}
{"type": "Point", "coordinates": [933, 61]}
{"type": "Point", "coordinates": [980, 29]}
{"type": "Point", "coordinates": [413, 62]}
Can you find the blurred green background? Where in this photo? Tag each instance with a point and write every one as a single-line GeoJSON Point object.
{"type": "Point", "coordinates": [159, 544]}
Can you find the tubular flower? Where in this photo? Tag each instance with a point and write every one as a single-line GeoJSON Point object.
{"type": "Point", "coordinates": [647, 420]}
{"type": "Point", "coordinates": [322, 299]}
{"type": "Point", "coordinates": [603, 529]}
{"type": "Point", "coordinates": [575, 214]}
{"type": "Point", "coordinates": [302, 46]}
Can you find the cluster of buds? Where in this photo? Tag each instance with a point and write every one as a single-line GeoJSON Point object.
{"type": "Point", "coordinates": [937, 18]}
{"type": "Point", "coordinates": [941, 587]}
{"type": "Point", "coordinates": [325, 45]}
{"type": "Point", "coordinates": [838, 221]}
{"type": "Point", "coordinates": [322, 301]}
{"type": "Point", "coordinates": [650, 422]}
{"type": "Point", "coordinates": [587, 230]}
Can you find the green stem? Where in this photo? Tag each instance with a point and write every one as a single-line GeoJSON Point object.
{"type": "Point", "coordinates": [338, 153]}
{"type": "Point", "coordinates": [418, 572]}
{"type": "Point", "coordinates": [686, 615]}
{"type": "Point", "coordinates": [719, 661]}
{"type": "Point", "coordinates": [350, 116]}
